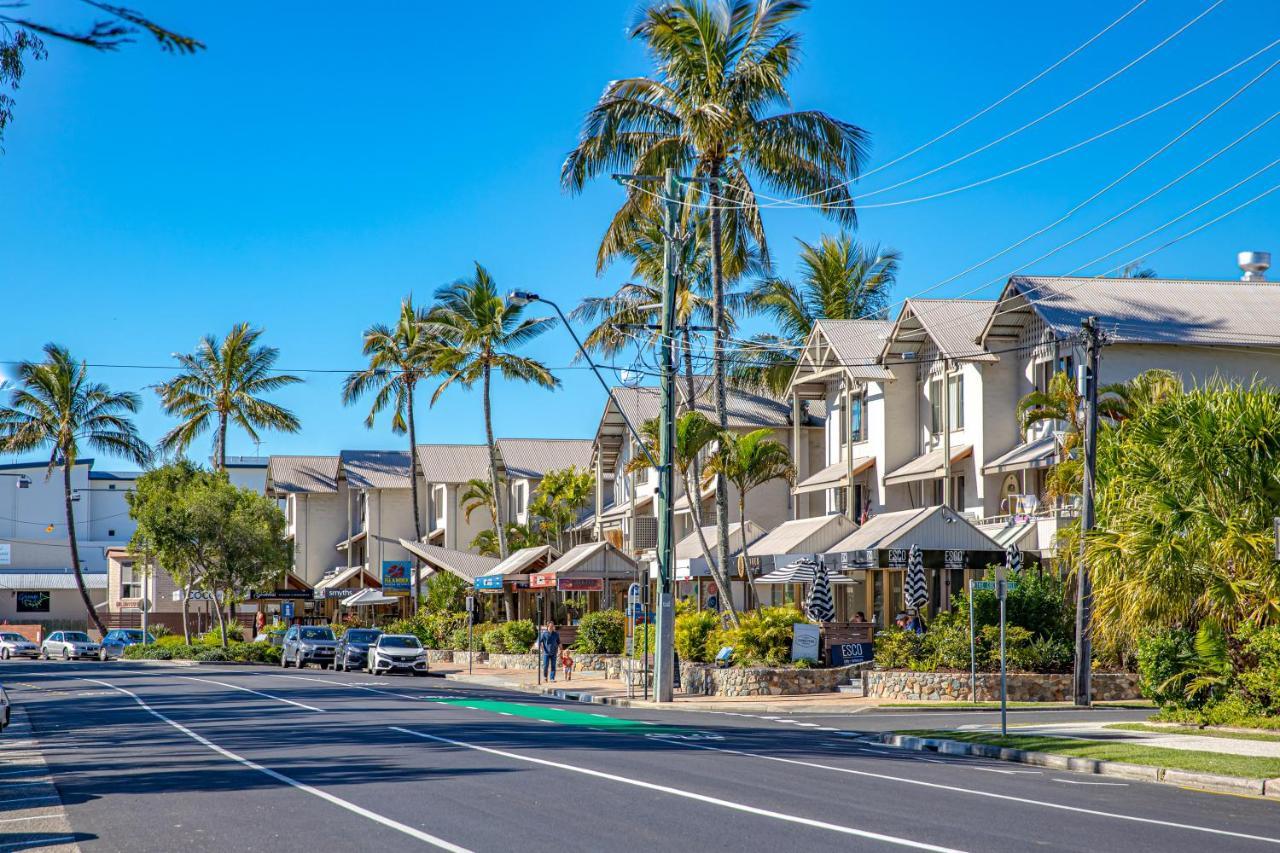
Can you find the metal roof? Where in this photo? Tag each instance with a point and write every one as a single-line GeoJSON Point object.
{"type": "Point", "coordinates": [927, 466]}
{"type": "Point", "coordinates": [954, 326]}
{"type": "Point", "coordinates": [1030, 454]}
{"type": "Point", "coordinates": [690, 548]}
{"type": "Point", "coordinates": [1144, 310]}
{"type": "Point", "coordinates": [42, 579]}
{"type": "Point", "coordinates": [932, 528]}
{"type": "Point", "coordinates": [834, 475]}
{"type": "Point", "coordinates": [534, 457]}
{"type": "Point", "coordinates": [520, 561]}
{"type": "Point", "coordinates": [858, 345]}
{"type": "Point", "coordinates": [804, 536]}
{"type": "Point", "coordinates": [376, 469]}
{"type": "Point", "coordinates": [453, 463]}
{"type": "Point", "coordinates": [464, 564]}
{"type": "Point", "coordinates": [593, 559]}
{"type": "Point", "coordinates": [305, 474]}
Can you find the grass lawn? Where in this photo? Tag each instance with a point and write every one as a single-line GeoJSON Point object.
{"type": "Point", "coordinates": [987, 706]}
{"type": "Point", "coordinates": [1178, 759]}
{"type": "Point", "coordinates": [1191, 730]}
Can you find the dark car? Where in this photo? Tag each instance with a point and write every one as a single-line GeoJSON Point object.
{"type": "Point", "coordinates": [114, 644]}
{"type": "Point", "coordinates": [353, 648]}
{"type": "Point", "coordinates": [397, 653]}
{"type": "Point", "coordinates": [304, 644]}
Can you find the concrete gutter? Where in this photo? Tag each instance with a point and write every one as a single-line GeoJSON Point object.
{"type": "Point", "coordinates": [1137, 772]}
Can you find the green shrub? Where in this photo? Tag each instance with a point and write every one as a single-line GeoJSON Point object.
{"type": "Point", "coordinates": [158, 631]}
{"type": "Point", "coordinates": [235, 634]}
{"type": "Point", "coordinates": [135, 652]}
{"type": "Point", "coordinates": [517, 636]}
{"type": "Point", "coordinates": [438, 627]}
{"type": "Point", "coordinates": [896, 648]}
{"type": "Point", "coordinates": [602, 633]}
{"type": "Point", "coordinates": [169, 640]}
{"type": "Point", "coordinates": [945, 645]}
{"type": "Point", "coordinates": [764, 636]}
{"type": "Point", "coordinates": [1039, 603]}
{"type": "Point", "coordinates": [338, 629]}
{"type": "Point", "coordinates": [217, 653]}
{"type": "Point", "coordinates": [458, 638]}
{"type": "Point", "coordinates": [1162, 655]}
{"type": "Point", "coordinates": [694, 630]}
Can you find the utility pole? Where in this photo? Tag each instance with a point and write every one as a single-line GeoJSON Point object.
{"type": "Point", "coordinates": [1087, 387]}
{"type": "Point", "coordinates": [664, 653]}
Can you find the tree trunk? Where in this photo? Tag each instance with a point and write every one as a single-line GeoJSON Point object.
{"type": "Point", "coordinates": [718, 573]}
{"type": "Point", "coordinates": [75, 548]}
{"type": "Point", "coordinates": [493, 470]}
{"type": "Point", "coordinates": [717, 340]}
{"type": "Point", "coordinates": [746, 560]}
{"type": "Point", "coordinates": [413, 496]}
{"type": "Point", "coordinates": [220, 457]}
{"type": "Point", "coordinates": [222, 624]}
{"type": "Point", "coordinates": [186, 614]}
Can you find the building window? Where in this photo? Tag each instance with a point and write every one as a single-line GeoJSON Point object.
{"type": "Point", "coordinates": [857, 419]}
{"type": "Point", "coordinates": [859, 502]}
{"type": "Point", "coordinates": [842, 501]}
{"type": "Point", "coordinates": [955, 403]}
{"type": "Point", "coordinates": [30, 601]}
{"type": "Point", "coordinates": [935, 405]}
{"type": "Point", "coordinates": [955, 400]}
{"type": "Point", "coordinates": [957, 492]}
{"type": "Point", "coordinates": [519, 490]}
{"type": "Point", "coordinates": [111, 533]}
{"type": "Point", "coordinates": [111, 487]}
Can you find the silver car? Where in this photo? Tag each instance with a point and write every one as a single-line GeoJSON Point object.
{"type": "Point", "coordinates": [4, 709]}
{"type": "Point", "coordinates": [14, 645]}
{"type": "Point", "coordinates": [69, 645]}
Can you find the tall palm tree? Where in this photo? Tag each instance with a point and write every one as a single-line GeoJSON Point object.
{"type": "Point", "coordinates": [222, 383]}
{"type": "Point", "coordinates": [721, 67]}
{"type": "Point", "coordinates": [749, 461]}
{"type": "Point", "coordinates": [840, 279]}
{"type": "Point", "coordinates": [55, 406]}
{"type": "Point", "coordinates": [480, 330]}
{"type": "Point", "coordinates": [399, 358]}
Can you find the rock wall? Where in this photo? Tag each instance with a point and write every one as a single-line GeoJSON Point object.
{"type": "Point", "coordinates": [610, 665]}
{"type": "Point", "coordinates": [707, 680]}
{"type": "Point", "coordinates": [439, 655]}
{"type": "Point", "coordinates": [1022, 686]}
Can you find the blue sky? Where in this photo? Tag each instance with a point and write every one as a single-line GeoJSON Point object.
{"type": "Point", "coordinates": [319, 161]}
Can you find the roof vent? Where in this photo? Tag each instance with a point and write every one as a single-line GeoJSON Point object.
{"type": "Point", "coordinates": [1254, 264]}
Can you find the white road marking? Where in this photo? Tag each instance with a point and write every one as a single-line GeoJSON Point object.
{"type": "Point", "coordinates": [28, 817]}
{"type": "Point", "coordinates": [344, 684]}
{"type": "Point", "coordinates": [689, 795]}
{"type": "Point", "coordinates": [254, 692]}
{"type": "Point", "coordinates": [28, 800]}
{"type": "Point", "coordinates": [280, 777]}
{"type": "Point", "coordinates": [1078, 782]}
{"type": "Point", "coordinates": [33, 843]}
{"type": "Point", "coordinates": [1006, 797]}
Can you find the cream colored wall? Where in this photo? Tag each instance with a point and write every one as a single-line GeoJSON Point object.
{"type": "Point", "coordinates": [64, 604]}
{"type": "Point", "coordinates": [319, 524]}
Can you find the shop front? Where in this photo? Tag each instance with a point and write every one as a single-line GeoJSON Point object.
{"type": "Point", "coordinates": [590, 577]}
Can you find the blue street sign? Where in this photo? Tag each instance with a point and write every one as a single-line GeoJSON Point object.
{"type": "Point", "coordinates": [489, 582]}
{"type": "Point", "coordinates": [286, 609]}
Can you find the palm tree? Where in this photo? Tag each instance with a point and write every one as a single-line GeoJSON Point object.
{"type": "Point", "coordinates": [480, 329]}
{"type": "Point", "coordinates": [840, 279]}
{"type": "Point", "coordinates": [399, 358]}
{"type": "Point", "coordinates": [55, 406]}
{"type": "Point", "coordinates": [560, 499]}
{"type": "Point", "coordinates": [749, 461]}
{"type": "Point", "coordinates": [478, 495]}
{"type": "Point", "coordinates": [516, 536]}
{"type": "Point", "coordinates": [721, 66]}
{"type": "Point", "coordinates": [223, 382]}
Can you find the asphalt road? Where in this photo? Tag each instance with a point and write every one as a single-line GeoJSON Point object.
{"type": "Point", "coordinates": [249, 759]}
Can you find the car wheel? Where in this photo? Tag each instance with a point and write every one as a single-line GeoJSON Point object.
{"type": "Point", "coordinates": [102, 655]}
{"type": "Point", "coordinates": [66, 655]}
{"type": "Point", "coordinates": [43, 655]}
{"type": "Point", "coordinates": [4, 654]}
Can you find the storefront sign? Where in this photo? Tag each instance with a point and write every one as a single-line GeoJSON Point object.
{"type": "Point", "coordinates": [346, 592]}
{"type": "Point", "coordinates": [546, 579]}
{"type": "Point", "coordinates": [898, 558]}
{"type": "Point", "coordinates": [286, 610]}
{"type": "Point", "coordinates": [953, 559]}
{"type": "Point", "coordinates": [280, 595]}
{"type": "Point", "coordinates": [580, 585]}
{"type": "Point", "coordinates": [396, 577]}
{"type": "Point", "coordinates": [804, 641]}
{"type": "Point", "coordinates": [865, 559]}
{"type": "Point", "coordinates": [492, 582]}
{"type": "Point", "coordinates": [843, 654]}
{"type": "Point", "coordinates": [29, 601]}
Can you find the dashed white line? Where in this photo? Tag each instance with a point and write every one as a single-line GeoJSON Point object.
{"type": "Point", "coordinates": [254, 692]}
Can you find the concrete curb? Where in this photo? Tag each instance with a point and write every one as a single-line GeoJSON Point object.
{"type": "Point", "coordinates": [183, 663]}
{"type": "Point", "coordinates": [1120, 770]}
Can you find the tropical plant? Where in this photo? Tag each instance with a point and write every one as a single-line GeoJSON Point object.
{"type": "Point", "coordinates": [720, 68]}
{"type": "Point", "coordinates": [399, 359]}
{"type": "Point", "coordinates": [749, 461]}
{"type": "Point", "coordinates": [518, 536]}
{"type": "Point", "coordinates": [601, 632]}
{"type": "Point", "coordinates": [55, 406]}
{"type": "Point", "coordinates": [481, 330]}
{"type": "Point", "coordinates": [222, 383]}
{"type": "Point", "coordinates": [477, 496]}
{"type": "Point", "coordinates": [560, 498]}
{"type": "Point", "coordinates": [764, 636]}
{"type": "Point", "coordinates": [840, 279]}
{"type": "Point", "coordinates": [1058, 404]}
{"type": "Point", "coordinates": [696, 632]}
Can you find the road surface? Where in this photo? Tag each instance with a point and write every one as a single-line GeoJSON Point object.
{"type": "Point", "coordinates": [223, 758]}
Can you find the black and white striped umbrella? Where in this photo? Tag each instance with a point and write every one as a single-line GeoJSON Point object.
{"type": "Point", "coordinates": [915, 592]}
{"type": "Point", "coordinates": [1012, 558]}
{"type": "Point", "coordinates": [819, 606]}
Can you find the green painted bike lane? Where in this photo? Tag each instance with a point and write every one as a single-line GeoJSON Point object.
{"type": "Point", "coordinates": [564, 717]}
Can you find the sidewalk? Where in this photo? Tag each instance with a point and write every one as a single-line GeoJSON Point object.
{"type": "Point", "coordinates": [1193, 743]}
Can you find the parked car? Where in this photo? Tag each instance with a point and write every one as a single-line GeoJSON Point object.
{"type": "Point", "coordinates": [114, 644]}
{"type": "Point", "coordinates": [14, 645]}
{"type": "Point", "coordinates": [68, 645]}
{"type": "Point", "coordinates": [397, 653]}
{"type": "Point", "coordinates": [4, 709]}
{"type": "Point", "coordinates": [353, 648]}
{"type": "Point", "coordinates": [304, 644]}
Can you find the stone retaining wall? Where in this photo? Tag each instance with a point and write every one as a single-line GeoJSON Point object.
{"type": "Point", "coordinates": [707, 680]}
{"type": "Point", "coordinates": [610, 665]}
{"type": "Point", "coordinates": [1022, 686]}
{"type": "Point", "coordinates": [439, 655]}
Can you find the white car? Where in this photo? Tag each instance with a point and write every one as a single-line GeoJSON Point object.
{"type": "Point", "coordinates": [4, 709]}
{"type": "Point", "coordinates": [397, 653]}
{"type": "Point", "coordinates": [14, 645]}
{"type": "Point", "coordinates": [68, 645]}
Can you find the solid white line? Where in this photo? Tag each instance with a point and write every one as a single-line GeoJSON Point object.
{"type": "Point", "coordinates": [345, 684]}
{"type": "Point", "coordinates": [33, 843]}
{"type": "Point", "coordinates": [690, 795]}
{"type": "Point", "coordinates": [294, 783]}
{"type": "Point", "coordinates": [1007, 797]}
{"type": "Point", "coordinates": [254, 692]}
{"type": "Point", "coordinates": [28, 800]}
{"type": "Point", "coordinates": [29, 817]}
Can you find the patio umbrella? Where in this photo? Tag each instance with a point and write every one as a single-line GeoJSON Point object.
{"type": "Point", "coordinates": [914, 592]}
{"type": "Point", "coordinates": [1012, 558]}
{"type": "Point", "coordinates": [818, 606]}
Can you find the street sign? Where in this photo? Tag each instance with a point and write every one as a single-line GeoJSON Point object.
{"type": "Point", "coordinates": [990, 586]}
{"type": "Point", "coordinates": [471, 603]}
{"type": "Point", "coordinates": [489, 582]}
{"type": "Point", "coordinates": [286, 609]}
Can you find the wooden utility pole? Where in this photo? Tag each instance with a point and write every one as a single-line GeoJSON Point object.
{"type": "Point", "coordinates": [1087, 382]}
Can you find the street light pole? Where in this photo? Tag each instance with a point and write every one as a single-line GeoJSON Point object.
{"type": "Point", "coordinates": [1084, 583]}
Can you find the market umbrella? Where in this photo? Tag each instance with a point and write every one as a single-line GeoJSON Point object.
{"type": "Point", "coordinates": [818, 606]}
{"type": "Point", "coordinates": [1012, 558]}
{"type": "Point", "coordinates": [914, 591]}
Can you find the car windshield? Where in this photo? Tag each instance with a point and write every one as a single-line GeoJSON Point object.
{"type": "Point", "coordinates": [400, 643]}
{"type": "Point", "coordinates": [76, 637]}
{"type": "Point", "coordinates": [316, 634]}
{"type": "Point", "coordinates": [362, 636]}
{"type": "Point", "coordinates": [13, 638]}
{"type": "Point", "coordinates": [132, 637]}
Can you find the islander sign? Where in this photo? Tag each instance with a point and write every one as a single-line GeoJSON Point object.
{"type": "Point", "coordinates": [396, 577]}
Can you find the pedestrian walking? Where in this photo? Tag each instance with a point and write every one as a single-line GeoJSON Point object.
{"type": "Point", "coordinates": [566, 663]}
{"type": "Point", "coordinates": [549, 647]}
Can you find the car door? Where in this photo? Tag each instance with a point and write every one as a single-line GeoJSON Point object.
{"type": "Point", "coordinates": [291, 641]}
{"type": "Point", "coordinates": [51, 644]}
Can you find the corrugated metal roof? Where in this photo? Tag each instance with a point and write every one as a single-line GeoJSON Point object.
{"type": "Point", "coordinates": [376, 469]}
{"type": "Point", "coordinates": [1148, 310]}
{"type": "Point", "coordinates": [1030, 454]}
{"type": "Point", "coordinates": [307, 474]}
{"type": "Point", "coordinates": [927, 466]}
{"type": "Point", "coordinates": [804, 535]}
{"type": "Point", "coordinates": [453, 463]}
{"type": "Point", "coordinates": [954, 326]}
{"type": "Point", "coordinates": [858, 344]}
{"type": "Point", "coordinates": [39, 580]}
{"type": "Point", "coordinates": [932, 528]}
{"type": "Point", "coordinates": [690, 548]}
{"type": "Point", "coordinates": [591, 559]}
{"type": "Point", "coordinates": [533, 457]}
{"type": "Point", "coordinates": [520, 561]}
{"type": "Point", "coordinates": [464, 564]}
{"type": "Point", "coordinates": [744, 409]}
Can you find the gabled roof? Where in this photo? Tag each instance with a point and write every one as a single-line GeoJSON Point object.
{"type": "Point", "coordinates": [1144, 310]}
{"type": "Point", "coordinates": [464, 564]}
{"type": "Point", "coordinates": [857, 345]}
{"type": "Point", "coordinates": [534, 457]}
{"type": "Point", "coordinates": [593, 559]}
{"type": "Point", "coordinates": [804, 536]}
{"type": "Point", "coordinates": [376, 469]}
{"type": "Point", "coordinates": [690, 547]}
{"type": "Point", "coordinates": [954, 326]}
{"type": "Point", "coordinates": [303, 474]}
{"type": "Point", "coordinates": [932, 528]}
{"type": "Point", "coordinates": [453, 463]}
{"type": "Point", "coordinates": [521, 561]}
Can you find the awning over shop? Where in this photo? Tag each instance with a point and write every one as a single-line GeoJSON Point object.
{"type": "Point", "coordinates": [1032, 454]}
{"type": "Point", "coordinates": [368, 598]}
{"type": "Point", "coordinates": [340, 583]}
{"type": "Point", "coordinates": [463, 564]}
{"type": "Point", "coordinates": [516, 567]}
{"type": "Point", "coordinates": [804, 536]}
{"type": "Point", "coordinates": [834, 476]}
{"type": "Point", "coordinates": [926, 467]}
{"type": "Point", "coordinates": [690, 561]}
{"type": "Point", "coordinates": [589, 561]}
{"type": "Point", "coordinates": [947, 539]}
{"type": "Point", "coordinates": [618, 511]}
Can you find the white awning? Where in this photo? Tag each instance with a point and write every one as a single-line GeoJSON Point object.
{"type": "Point", "coordinates": [834, 476]}
{"type": "Point", "coordinates": [1032, 454]}
{"type": "Point", "coordinates": [367, 598]}
{"type": "Point", "coordinates": [927, 466]}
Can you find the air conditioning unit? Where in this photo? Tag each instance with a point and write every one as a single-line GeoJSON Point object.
{"type": "Point", "coordinates": [644, 535]}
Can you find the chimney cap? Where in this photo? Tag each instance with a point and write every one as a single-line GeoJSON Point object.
{"type": "Point", "coordinates": [1254, 265]}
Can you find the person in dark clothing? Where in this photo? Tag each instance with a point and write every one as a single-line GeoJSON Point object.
{"type": "Point", "coordinates": [549, 647]}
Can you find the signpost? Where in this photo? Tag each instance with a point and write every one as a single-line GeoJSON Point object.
{"type": "Point", "coordinates": [973, 652]}
{"type": "Point", "coordinates": [471, 632]}
{"type": "Point", "coordinates": [1001, 588]}
{"type": "Point", "coordinates": [1002, 592]}
{"type": "Point", "coordinates": [286, 609]}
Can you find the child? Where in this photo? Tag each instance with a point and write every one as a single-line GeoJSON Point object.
{"type": "Point", "coordinates": [566, 663]}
